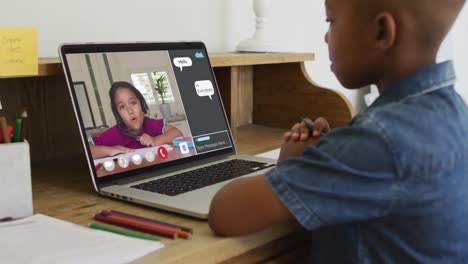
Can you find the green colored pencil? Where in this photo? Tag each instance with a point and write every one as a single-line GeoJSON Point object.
{"type": "Point", "coordinates": [122, 231]}
{"type": "Point", "coordinates": [17, 133]}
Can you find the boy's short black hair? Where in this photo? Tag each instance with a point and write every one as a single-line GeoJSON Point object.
{"type": "Point", "coordinates": [118, 85]}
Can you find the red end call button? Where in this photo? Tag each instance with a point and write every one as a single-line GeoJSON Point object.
{"type": "Point", "coordinates": [162, 152]}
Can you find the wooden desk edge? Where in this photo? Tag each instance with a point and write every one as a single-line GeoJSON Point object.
{"type": "Point", "coordinates": [252, 248]}
{"type": "Point", "coordinates": [53, 66]}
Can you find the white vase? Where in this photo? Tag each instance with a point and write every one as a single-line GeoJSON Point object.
{"type": "Point", "coordinates": [261, 41]}
{"type": "Point", "coordinates": [165, 110]}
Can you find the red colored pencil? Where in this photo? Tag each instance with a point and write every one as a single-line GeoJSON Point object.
{"type": "Point", "coordinates": [190, 230]}
{"type": "Point", "coordinates": [109, 220]}
{"type": "Point", "coordinates": [179, 232]}
{"type": "Point", "coordinates": [154, 226]}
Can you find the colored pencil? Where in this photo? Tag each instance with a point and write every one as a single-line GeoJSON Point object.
{"type": "Point", "coordinates": [113, 221]}
{"type": "Point", "coordinates": [121, 231]}
{"type": "Point", "coordinates": [17, 133]}
{"type": "Point", "coordinates": [137, 223]}
{"type": "Point", "coordinates": [117, 222]}
{"type": "Point", "coordinates": [187, 229]}
{"type": "Point", "coordinates": [309, 124]}
{"type": "Point", "coordinates": [4, 127]}
{"type": "Point", "coordinates": [24, 116]}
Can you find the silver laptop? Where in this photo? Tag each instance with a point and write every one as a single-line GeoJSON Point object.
{"type": "Point", "coordinates": [153, 125]}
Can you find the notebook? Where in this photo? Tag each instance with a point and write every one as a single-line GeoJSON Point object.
{"type": "Point", "coordinates": [152, 124]}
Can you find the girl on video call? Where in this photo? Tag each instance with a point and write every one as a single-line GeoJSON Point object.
{"type": "Point", "coordinates": [134, 128]}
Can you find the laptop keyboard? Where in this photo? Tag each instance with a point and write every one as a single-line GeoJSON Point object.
{"type": "Point", "coordinates": [199, 178]}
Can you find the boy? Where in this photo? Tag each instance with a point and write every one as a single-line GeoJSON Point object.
{"type": "Point", "coordinates": [392, 186]}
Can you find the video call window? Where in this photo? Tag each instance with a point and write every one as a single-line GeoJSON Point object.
{"type": "Point", "coordinates": [132, 106]}
{"type": "Point", "coordinates": [138, 118]}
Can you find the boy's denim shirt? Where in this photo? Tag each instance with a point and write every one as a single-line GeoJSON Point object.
{"type": "Point", "coordinates": [392, 186]}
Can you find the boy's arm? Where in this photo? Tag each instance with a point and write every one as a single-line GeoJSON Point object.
{"type": "Point", "coordinates": [249, 204]}
{"type": "Point", "coordinates": [245, 206]}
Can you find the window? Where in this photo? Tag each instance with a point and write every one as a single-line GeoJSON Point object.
{"type": "Point", "coordinates": [142, 82]}
{"type": "Point", "coordinates": [161, 81]}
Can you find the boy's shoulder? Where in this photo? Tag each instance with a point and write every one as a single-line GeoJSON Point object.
{"type": "Point", "coordinates": [423, 132]}
{"type": "Point", "coordinates": [432, 114]}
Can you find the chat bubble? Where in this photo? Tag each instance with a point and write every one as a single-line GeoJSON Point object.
{"type": "Point", "coordinates": [204, 88]}
{"type": "Point", "coordinates": [182, 62]}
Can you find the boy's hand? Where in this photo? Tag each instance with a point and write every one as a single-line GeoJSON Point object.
{"type": "Point", "coordinates": [115, 150]}
{"type": "Point", "coordinates": [320, 126]}
{"type": "Point", "coordinates": [292, 148]}
{"type": "Point", "coordinates": [301, 131]}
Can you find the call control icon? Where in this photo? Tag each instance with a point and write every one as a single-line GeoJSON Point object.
{"type": "Point", "coordinates": [149, 156]}
{"type": "Point", "coordinates": [136, 159]}
{"type": "Point", "coordinates": [184, 149]}
{"type": "Point", "coordinates": [162, 152]}
{"type": "Point", "coordinates": [123, 162]}
{"type": "Point", "coordinates": [109, 165]}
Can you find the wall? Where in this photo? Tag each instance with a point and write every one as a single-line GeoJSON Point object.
{"type": "Point", "coordinates": [105, 20]}
{"type": "Point", "coordinates": [454, 48]}
{"type": "Point", "coordinates": [298, 24]}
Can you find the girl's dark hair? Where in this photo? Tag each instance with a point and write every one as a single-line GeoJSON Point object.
{"type": "Point", "coordinates": [119, 85]}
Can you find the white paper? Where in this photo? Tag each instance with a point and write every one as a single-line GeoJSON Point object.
{"type": "Point", "coordinates": [274, 154]}
{"type": "Point", "coordinates": [43, 239]}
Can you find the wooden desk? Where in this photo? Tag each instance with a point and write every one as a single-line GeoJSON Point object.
{"type": "Point", "coordinates": [271, 90]}
{"type": "Point", "coordinates": [62, 189]}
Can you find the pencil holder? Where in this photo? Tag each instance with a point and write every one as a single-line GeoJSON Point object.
{"type": "Point", "coordinates": [15, 180]}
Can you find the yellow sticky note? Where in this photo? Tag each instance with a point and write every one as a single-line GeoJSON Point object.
{"type": "Point", "coordinates": [18, 51]}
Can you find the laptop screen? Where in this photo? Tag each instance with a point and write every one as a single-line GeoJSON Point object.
{"type": "Point", "coordinates": [145, 106]}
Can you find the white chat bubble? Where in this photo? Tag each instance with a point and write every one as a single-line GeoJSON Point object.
{"type": "Point", "coordinates": [182, 62]}
{"type": "Point", "coordinates": [204, 88]}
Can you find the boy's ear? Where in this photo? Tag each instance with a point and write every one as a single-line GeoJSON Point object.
{"type": "Point", "coordinates": [385, 34]}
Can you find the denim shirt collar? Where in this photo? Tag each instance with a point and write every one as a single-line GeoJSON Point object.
{"type": "Point", "coordinates": [422, 81]}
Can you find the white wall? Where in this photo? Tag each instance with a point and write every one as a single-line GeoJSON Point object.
{"type": "Point", "coordinates": [220, 24]}
{"type": "Point", "coordinates": [106, 20]}
{"type": "Point", "coordinates": [455, 48]}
